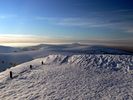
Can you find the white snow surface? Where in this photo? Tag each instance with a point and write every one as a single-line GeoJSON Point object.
{"type": "Point", "coordinates": [77, 77]}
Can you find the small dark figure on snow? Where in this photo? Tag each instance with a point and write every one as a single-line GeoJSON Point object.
{"type": "Point", "coordinates": [42, 63]}
{"type": "Point", "coordinates": [11, 74]}
{"type": "Point", "coordinates": [30, 66]}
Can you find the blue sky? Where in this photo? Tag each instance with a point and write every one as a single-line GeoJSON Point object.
{"type": "Point", "coordinates": [66, 20]}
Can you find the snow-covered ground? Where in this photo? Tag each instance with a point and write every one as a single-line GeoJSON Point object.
{"type": "Point", "coordinates": [73, 77]}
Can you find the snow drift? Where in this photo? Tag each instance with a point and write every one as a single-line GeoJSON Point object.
{"type": "Point", "coordinates": [85, 77]}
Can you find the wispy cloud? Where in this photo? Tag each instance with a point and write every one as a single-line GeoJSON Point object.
{"type": "Point", "coordinates": [44, 18]}
{"type": "Point", "coordinates": [18, 38]}
{"type": "Point", "coordinates": [7, 16]}
{"type": "Point", "coordinates": [120, 20]}
{"type": "Point", "coordinates": [74, 21]}
{"type": "Point", "coordinates": [112, 19]}
{"type": "Point", "coordinates": [129, 30]}
{"type": "Point", "coordinates": [83, 22]}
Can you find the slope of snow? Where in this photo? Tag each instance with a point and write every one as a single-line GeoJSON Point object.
{"type": "Point", "coordinates": [12, 59]}
{"type": "Point", "coordinates": [77, 77]}
{"type": "Point", "coordinates": [8, 60]}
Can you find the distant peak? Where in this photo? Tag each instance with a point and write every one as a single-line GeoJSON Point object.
{"type": "Point", "coordinates": [76, 44]}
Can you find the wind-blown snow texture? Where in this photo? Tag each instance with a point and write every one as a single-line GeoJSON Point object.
{"type": "Point", "coordinates": [77, 77]}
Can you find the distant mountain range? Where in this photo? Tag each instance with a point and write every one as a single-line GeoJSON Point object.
{"type": "Point", "coordinates": [6, 49]}
{"type": "Point", "coordinates": [10, 56]}
{"type": "Point", "coordinates": [79, 48]}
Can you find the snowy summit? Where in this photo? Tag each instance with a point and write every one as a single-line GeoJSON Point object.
{"type": "Point", "coordinates": [77, 77]}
